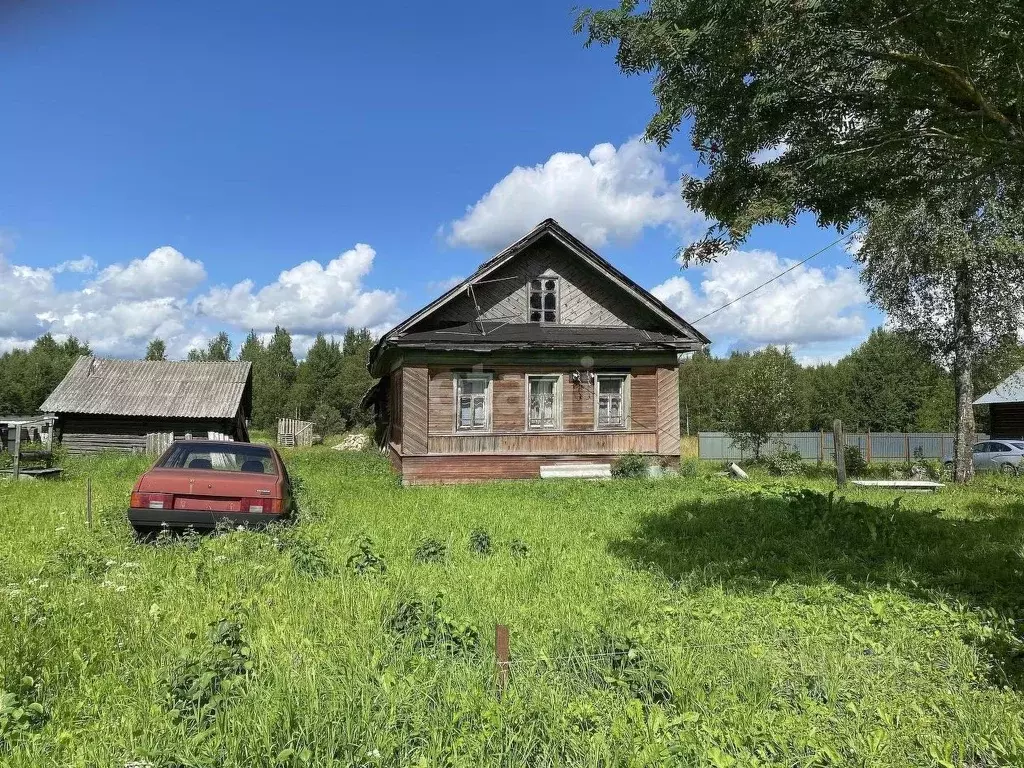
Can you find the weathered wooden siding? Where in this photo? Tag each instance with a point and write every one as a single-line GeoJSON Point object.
{"type": "Point", "coordinates": [90, 434]}
{"type": "Point", "coordinates": [509, 402]}
{"type": "Point", "coordinates": [395, 408]}
{"type": "Point", "coordinates": [419, 470]}
{"type": "Point", "coordinates": [586, 297]}
{"type": "Point", "coordinates": [643, 399]}
{"type": "Point", "coordinates": [577, 405]}
{"type": "Point", "coordinates": [441, 401]}
{"type": "Point", "coordinates": [575, 443]}
{"type": "Point", "coordinates": [668, 411]}
{"type": "Point", "coordinates": [509, 399]}
{"type": "Point", "coordinates": [414, 411]}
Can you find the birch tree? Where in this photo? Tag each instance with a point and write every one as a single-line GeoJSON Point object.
{"type": "Point", "coordinates": [951, 274]}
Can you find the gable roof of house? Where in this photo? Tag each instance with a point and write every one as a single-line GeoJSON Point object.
{"type": "Point", "coordinates": [1009, 390]}
{"type": "Point", "coordinates": [550, 227]}
{"type": "Point", "coordinates": [165, 389]}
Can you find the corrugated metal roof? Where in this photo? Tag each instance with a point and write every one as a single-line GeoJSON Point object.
{"type": "Point", "coordinates": [1009, 390]}
{"type": "Point", "coordinates": [153, 388]}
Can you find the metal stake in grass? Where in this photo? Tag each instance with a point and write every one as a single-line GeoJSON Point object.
{"type": "Point", "coordinates": [501, 657]}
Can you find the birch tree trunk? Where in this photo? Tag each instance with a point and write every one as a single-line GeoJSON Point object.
{"type": "Point", "coordinates": [963, 372]}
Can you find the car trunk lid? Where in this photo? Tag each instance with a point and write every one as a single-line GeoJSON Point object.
{"type": "Point", "coordinates": [204, 490]}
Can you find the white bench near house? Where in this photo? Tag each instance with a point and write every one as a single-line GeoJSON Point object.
{"type": "Point", "coordinates": [921, 486]}
{"type": "Point", "coordinates": [578, 471]}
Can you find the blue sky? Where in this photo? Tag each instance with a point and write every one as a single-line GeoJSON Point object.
{"type": "Point", "coordinates": [177, 168]}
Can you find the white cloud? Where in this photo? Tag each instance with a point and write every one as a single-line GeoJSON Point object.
{"type": "Point", "coordinates": [164, 272]}
{"type": "Point", "coordinates": [119, 310]}
{"type": "Point", "coordinates": [807, 306]}
{"type": "Point", "coordinates": [308, 298]}
{"type": "Point", "coordinates": [609, 194]}
{"type": "Point", "coordinates": [82, 265]}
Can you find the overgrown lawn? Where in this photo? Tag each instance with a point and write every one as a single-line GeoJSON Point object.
{"type": "Point", "coordinates": [684, 621]}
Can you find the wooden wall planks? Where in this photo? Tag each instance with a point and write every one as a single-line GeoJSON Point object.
{"type": "Point", "coordinates": [414, 410]}
{"type": "Point", "coordinates": [509, 399]}
{"type": "Point", "coordinates": [421, 470]}
{"type": "Point", "coordinates": [668, 411]}
{"type": "Point", "coordinates": [586, 297]}
{"type": "Point", "coordinates": [525, 443]}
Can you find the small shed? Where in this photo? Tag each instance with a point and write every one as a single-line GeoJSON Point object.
{"type": "Point", "coordinates": [111, 405]}
{"type": "Point", "coordinates": [1006, 407]}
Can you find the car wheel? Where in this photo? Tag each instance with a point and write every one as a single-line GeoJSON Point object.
{"type": "Point", "coordinates": [949, 466]}
{"type": "Point", "coordinates": [1009, 470]}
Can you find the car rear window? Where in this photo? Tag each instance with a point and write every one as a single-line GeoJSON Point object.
{"type": "Point", "coordinates": [225, 457]}
{"type": "Point", "coordinates": [1018, 446]}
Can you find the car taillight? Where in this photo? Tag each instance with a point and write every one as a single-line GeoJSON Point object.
{"type": "Point", "coordinates": [261, 506]}
{"type": "Point", "coordinates": [142, 500]}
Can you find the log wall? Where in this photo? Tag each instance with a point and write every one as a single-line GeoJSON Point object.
{"type": "Point", "coordinates": [91, 434]}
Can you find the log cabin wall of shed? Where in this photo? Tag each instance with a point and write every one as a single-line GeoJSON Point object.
{"type": "Point", "coordinates": [87, 433]}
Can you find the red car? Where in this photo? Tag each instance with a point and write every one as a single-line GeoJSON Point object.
{"type": "Point", "coordinates": [201, 483]}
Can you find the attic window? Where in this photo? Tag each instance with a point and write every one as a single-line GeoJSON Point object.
{"type": "Point", "coordinates": [543, 300]}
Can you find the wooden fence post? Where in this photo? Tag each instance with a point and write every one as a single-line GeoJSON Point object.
{"type": "Point", "coordinates": [17, 451]}
{"type": "Point", "coordinates": [88, 502]}
{"type": "Point", "coordinates": [906, 445]}
{"type": "Point", "coordinates": [839, 444]}
{"type": "Point", "coordinates": [868, 459]}
{"type": "Point", "coordinates": [821, 446]}
{"type": "Point", "coordinates": [501, 657]}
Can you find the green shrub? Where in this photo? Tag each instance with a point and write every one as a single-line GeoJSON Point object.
{"type": "Point", "coordinates": [206, 679]}
{"type": "Point", "coordinates": [480, 542]}
{"type": "Point", "coordinates": [431, 551]}
{"type": "Point", "coordinates": [430, 627]}
{"type": "Point", "coordinates": [366, 562]}
{"type": "Point", "coordinates": [630, 465]}
{"type": "Point", "coordinates": [784, 461]}
{"type": "Point", "coordinates": [518, 548]}
{"type": "Point", "coordinates": [856, 466]}
{"type": "Point", "coordinates": [689, 467]}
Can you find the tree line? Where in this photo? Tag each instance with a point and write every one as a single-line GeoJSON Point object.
{"type": "Point", "coordinates": [890, 383]}
{"type": "Point", "coordinates": [326, 387]}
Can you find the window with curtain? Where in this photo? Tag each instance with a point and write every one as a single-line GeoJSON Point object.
{"type": "Point", "coordinates": [544, 406]}
{"type": "Point", "coordinates": [611, 400]}
{"type": "Point", "coordinates": [472, 402]}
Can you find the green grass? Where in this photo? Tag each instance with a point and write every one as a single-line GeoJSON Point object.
{"type": "Point", "coordinates": [686, 621]}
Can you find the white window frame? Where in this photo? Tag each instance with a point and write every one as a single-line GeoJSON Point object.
{"type": "Point", "coordinates": [488, 378]}
{"type": "Point", "coordinates": [556, 405]}
{"type": "Point", "coordinates": [626, 410]}
{"type": "Point", "coordinates": [558, 298]}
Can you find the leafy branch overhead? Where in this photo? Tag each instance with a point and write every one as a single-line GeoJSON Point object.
{"type": "Point", "coordinates": [826, 106]}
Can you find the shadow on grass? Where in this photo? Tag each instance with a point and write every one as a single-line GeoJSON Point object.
{"type": "Point", "coordinates": [751, 543]}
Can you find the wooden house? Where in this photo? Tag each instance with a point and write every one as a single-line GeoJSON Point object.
{"type": "Point", "coordinates": [546, 356]}
{"type": "Point", "coordinates": [1006, 407]}
{"type": "Point", "coordinates": [111, 405]}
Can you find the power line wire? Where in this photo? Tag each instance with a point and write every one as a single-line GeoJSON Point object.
{"type": "Point", "coordinates": [784, 272]}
